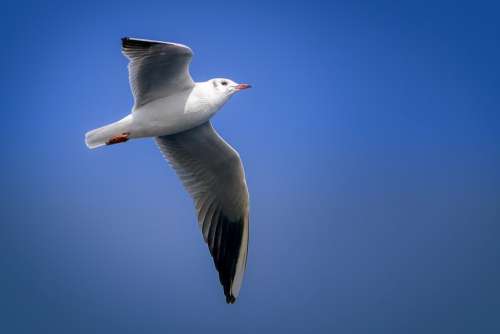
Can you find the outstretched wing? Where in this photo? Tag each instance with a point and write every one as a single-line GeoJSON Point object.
{"type": "Point", "coordinates": [212, 173]}
{"type": "Point", "coordinates": [156, 69]}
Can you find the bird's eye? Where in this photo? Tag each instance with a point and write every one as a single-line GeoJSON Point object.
{"type": "Point", "coordinates": [224, 83]}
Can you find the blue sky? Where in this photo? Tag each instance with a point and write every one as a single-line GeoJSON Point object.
{"type": "Point", "coordinates": [371, 143]}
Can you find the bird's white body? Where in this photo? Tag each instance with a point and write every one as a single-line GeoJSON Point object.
{"type": "Point", "coordinates": [164, 116]}
{"type": "Point", "coordinates": [179, 112]}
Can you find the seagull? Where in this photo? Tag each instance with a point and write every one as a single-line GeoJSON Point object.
{"type": "Point", "coordinates": [170, 107]}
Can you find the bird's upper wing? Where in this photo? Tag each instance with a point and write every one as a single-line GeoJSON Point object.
{"type": "Point", "coordinates": [212, 173]}
{"type": "Point", "coordinates": [156, 69]}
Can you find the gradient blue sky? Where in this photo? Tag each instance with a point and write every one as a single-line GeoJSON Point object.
{"type": "Point", "coordinates": [371, 142]}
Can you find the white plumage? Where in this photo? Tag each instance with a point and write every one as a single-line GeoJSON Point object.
{"type": "Point", "coordinates": [170, 106]}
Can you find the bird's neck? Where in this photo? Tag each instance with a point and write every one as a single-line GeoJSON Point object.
{"type": "Point", "coordinates": [205, 92]}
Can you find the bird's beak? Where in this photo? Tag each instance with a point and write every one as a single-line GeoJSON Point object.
{"type": "Point", "coordinates": [242, 86]}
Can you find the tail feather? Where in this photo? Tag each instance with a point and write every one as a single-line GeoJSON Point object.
{"type": "Point", "coordinates": [98, 137]}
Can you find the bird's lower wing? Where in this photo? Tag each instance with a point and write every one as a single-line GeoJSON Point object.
{"type": "Point", "coordinates": [212, 173]}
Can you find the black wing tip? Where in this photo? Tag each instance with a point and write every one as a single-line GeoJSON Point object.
{"type": "Point", "coordinates": [224, 242]}
{"type": "Point", "coordinates": [129, 42]}
{"type": "Point", "coordinates": [230, 299]}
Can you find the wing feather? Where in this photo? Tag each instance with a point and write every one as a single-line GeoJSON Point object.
{"type": "Point", "coordinates": [212, 172]}
{"type": "Point", "coordinates": [156, 69]}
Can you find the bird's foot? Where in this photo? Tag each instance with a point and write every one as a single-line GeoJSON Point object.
{"type": "Point", "coordinates": [118, 139]}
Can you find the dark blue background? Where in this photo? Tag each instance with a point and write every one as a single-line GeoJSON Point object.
{"type": "Point", "coordinates": [371, 142]}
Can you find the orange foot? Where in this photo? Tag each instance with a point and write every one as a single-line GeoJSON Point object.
{"type": "Point", "coordinates": [118, 139]}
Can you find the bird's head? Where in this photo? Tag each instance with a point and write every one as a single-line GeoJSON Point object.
{"type": "Point", "coordinates": [227, 87]}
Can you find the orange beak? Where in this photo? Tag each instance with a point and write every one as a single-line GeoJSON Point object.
{"type": "Point", "coordinates": [242, 86]}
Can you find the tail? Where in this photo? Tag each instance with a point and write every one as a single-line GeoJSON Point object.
{"type": "Point", "coordinates": [99, 137]}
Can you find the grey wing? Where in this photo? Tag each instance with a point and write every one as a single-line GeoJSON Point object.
{"type": "Point", "coordinates": [156, 69]}
{"type": "Point", "coordinates": [212, 173]}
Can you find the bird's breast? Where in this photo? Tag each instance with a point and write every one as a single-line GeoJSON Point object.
{"type": "Point", "coordinates": [171, 115]}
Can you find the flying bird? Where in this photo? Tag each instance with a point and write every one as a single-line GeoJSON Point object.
{"type": "Point", "coordinates": [170, 107]}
